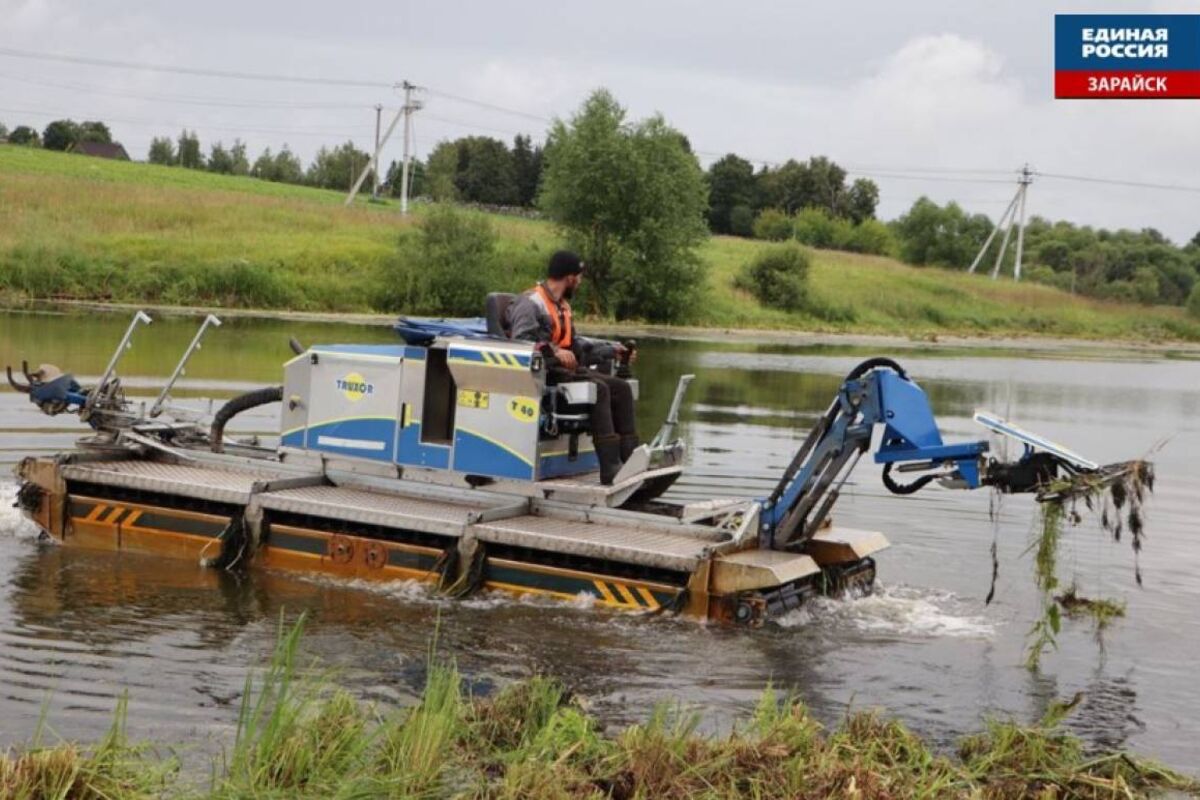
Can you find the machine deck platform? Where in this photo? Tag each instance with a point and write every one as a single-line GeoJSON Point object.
{"type": "Point", "coordinates": [697, 559]}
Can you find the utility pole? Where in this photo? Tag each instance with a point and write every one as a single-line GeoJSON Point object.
{"type": "Point", "coordinates": [410, 106]}
{"type": "Point", "coordinates": [362, 176]}
{"type": "Point", "coordinates": [375, 160]}
{"type": "Point", "coordinates": [1025, 179]}
{"type": "Point", "coordinates": [1013, 214]}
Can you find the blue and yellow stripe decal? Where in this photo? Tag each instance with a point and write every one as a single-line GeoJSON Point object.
{"type": "Point", "coordinates": [488, 358]}
{"type": "Point", "coordinates": [480, 454]}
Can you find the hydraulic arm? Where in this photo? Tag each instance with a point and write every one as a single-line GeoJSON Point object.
{"type": "Point", "coordinates": [879, 392]}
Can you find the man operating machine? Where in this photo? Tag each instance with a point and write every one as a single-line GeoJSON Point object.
{"type": "Point", "coordinates": [543, 315]}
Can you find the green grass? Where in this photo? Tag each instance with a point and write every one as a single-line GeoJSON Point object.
{"type": "Point", "coordinates": [73, 227]}
{"type": "Point", "coordinates": [300, 736]}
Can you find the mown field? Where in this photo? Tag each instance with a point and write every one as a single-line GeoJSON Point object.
{"type": "Point", "coordinates": [72, 227]}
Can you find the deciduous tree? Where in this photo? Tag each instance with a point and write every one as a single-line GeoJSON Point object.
{"type": "Point", "coordinates": [337, 168]}
{"type": "Point", "coordinates": [162, 151]}
{"type": "Point", "coordinates": [60, 134]}
{"type": "Point", "coordinates": [632, 199]}
{"type": "Point", "coordinates": [219, 160]}
{"type": "Point", "coordinates": [947, 237]}
{"type": "Point", "coordinates": [288, 168]}
{"type": "Point", "coordinates": [527, 169]}
{"type": "Point", "coordinates": [25, 135]}
{"type": "Point", "coordinates": [239, 162]}
{"type": "Point", "coordinates": [730, 185]}
{"type": "Point", "coordinates": [94, 131]}
{"type": "Point", "coordinates": [187, 151]}
{"type": "Point", "coordinates": [861, 200]}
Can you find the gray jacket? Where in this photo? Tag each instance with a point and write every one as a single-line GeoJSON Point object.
{"type": "Point", "coordinates": [529, 321]}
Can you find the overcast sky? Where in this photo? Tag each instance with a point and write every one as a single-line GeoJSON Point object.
{"type": "Point", "coordinates": [884, 88]}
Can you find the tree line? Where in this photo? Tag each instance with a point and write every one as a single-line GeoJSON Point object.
{"type": "Point", "coordinates": [331, 168]}
{"type": "Point", "coordinates": [1133, 266]}
{"type": "Point", "coordinates": [58, 135]}
{"type": "Point", "coordinates": [633, 197]}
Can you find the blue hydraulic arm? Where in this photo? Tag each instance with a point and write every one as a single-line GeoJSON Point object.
{"type": "Point", "coordinates": [876, 392]}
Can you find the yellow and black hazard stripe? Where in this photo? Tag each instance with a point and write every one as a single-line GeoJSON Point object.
{"type": "Point", "coordinates": [111, 513]}
{"type": "Point", "coordinates": [564, 584]}
{"type": "Point", "coordinates": [625, 595]}
{"type": "Point", "coordinates": [112, 524]}
{"type": "Point", "coordinates": [498, 359]}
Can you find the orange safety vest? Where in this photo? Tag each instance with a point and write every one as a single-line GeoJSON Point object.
{"type": "Point", "coordinates": [562, 329]}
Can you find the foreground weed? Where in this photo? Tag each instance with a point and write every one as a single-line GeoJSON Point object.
{"type": "Point", "coordinates": [417, 749]}
{"type": "Point", "coordinates": [113, 769]}
{"type": "Point", "coordinates": [296, 735]}
{"type": "Point", "coordinates": [300, 736]}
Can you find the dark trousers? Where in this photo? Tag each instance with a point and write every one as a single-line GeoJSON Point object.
{"type": "Point", "coordinates": [613, 413]}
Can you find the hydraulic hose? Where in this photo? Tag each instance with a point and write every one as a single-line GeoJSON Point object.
{"type": "Point", "coordinates": [905, 488]}
{"type": "Point", "coordinates": [872, 363]}
{"type": "Point", "coordinates": [243, 402]}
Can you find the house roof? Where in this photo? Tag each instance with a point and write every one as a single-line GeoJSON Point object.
{"type": "Point", "coordinates": [101, 150]}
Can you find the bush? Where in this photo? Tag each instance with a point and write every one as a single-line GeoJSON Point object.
{"type": "Point", "coordinates": [773, 225]}
{"type": "Point", "coordinates": [778, 277]}
{"type": "Point", "coordinates": [1040, 273]}
{"type": "Point", "coordinates": [741, 221]}
{"type": "Point", "coordinates": [871, 236]}
{"type": "Point", "coordinates": [816, 228]}
{"type": "Point", "coordinates": [447, 267]}
{"type": "Point", "coordinates": [1193, 302]}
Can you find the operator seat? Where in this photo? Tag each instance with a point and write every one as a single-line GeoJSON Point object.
{"type": "Point", "coordinates": [569, 405]}
{"type": "Point", "coordinates": [496, 312]}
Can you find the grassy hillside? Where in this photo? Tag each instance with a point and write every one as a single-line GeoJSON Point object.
{"type": "Point", "coordinates": [75, 227]}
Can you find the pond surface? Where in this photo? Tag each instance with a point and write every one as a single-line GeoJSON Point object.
{"type": "Point", "coordinates": [78, 628]}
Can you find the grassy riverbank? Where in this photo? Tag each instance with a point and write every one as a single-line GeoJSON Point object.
{"type": "Point", "coordinates": [300, 736]}
{"type": "Point", "coordinates": [86, 229]}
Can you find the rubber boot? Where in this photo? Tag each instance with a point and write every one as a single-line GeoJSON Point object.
{"type": "Point", "coordinates": [608, 451]}
{"type": "Point", "coordinates": [629, 443]}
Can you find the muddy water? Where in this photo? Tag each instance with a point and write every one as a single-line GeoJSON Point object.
{"type": "Point", "coordinates": [78, 628]}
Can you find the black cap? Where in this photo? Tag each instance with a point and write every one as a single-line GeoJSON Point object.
{"type": "Point", "coordinates": [564, 263]}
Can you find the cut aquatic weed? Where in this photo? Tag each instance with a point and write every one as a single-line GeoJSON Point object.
{"type": "Point", "coordinates": [1117, 493]}
{"type": "Point", "coordinates": [1100, 610]}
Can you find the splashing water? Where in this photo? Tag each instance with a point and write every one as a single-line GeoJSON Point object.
{"type": "Point", "coordinates": [899, 610]}
{"type": "Point", "coordinates": [12, 521]}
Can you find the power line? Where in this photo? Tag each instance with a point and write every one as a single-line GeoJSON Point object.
{"type": "Point", "coordinates": [463, 124]}
{"type": "Point", "coordinates": [933, 178]}
{"type": "Point", "coordinates": [207, 73]}
{"type": "Point", "coordinates": [491, 106]}
{"type": "Point", "coordinates": [1170, 187]}
{"type": "Point", "coordinates": [158, 124]}
{"type": "Point", "coordinates": [932, 170]}
{"type": "Point", "coordinates": [183, 99]}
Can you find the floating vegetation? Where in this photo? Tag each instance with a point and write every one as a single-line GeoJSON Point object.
{"type": "Point", "coordinates": [1116, 493]}
{"type": "Point", "coordinates": [301, 736]}
{"type": "Point", "coordinates": [1102, 611]}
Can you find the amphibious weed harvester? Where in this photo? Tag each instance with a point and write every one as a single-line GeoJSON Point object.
{"type": "Point", "coordinates": [450, 458]}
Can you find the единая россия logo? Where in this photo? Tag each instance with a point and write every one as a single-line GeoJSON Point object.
{"type": "Point", "coordinates": [1127, 56]}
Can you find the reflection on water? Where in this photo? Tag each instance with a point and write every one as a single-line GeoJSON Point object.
{"type": "Point", "coordinates": [80, 627]}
